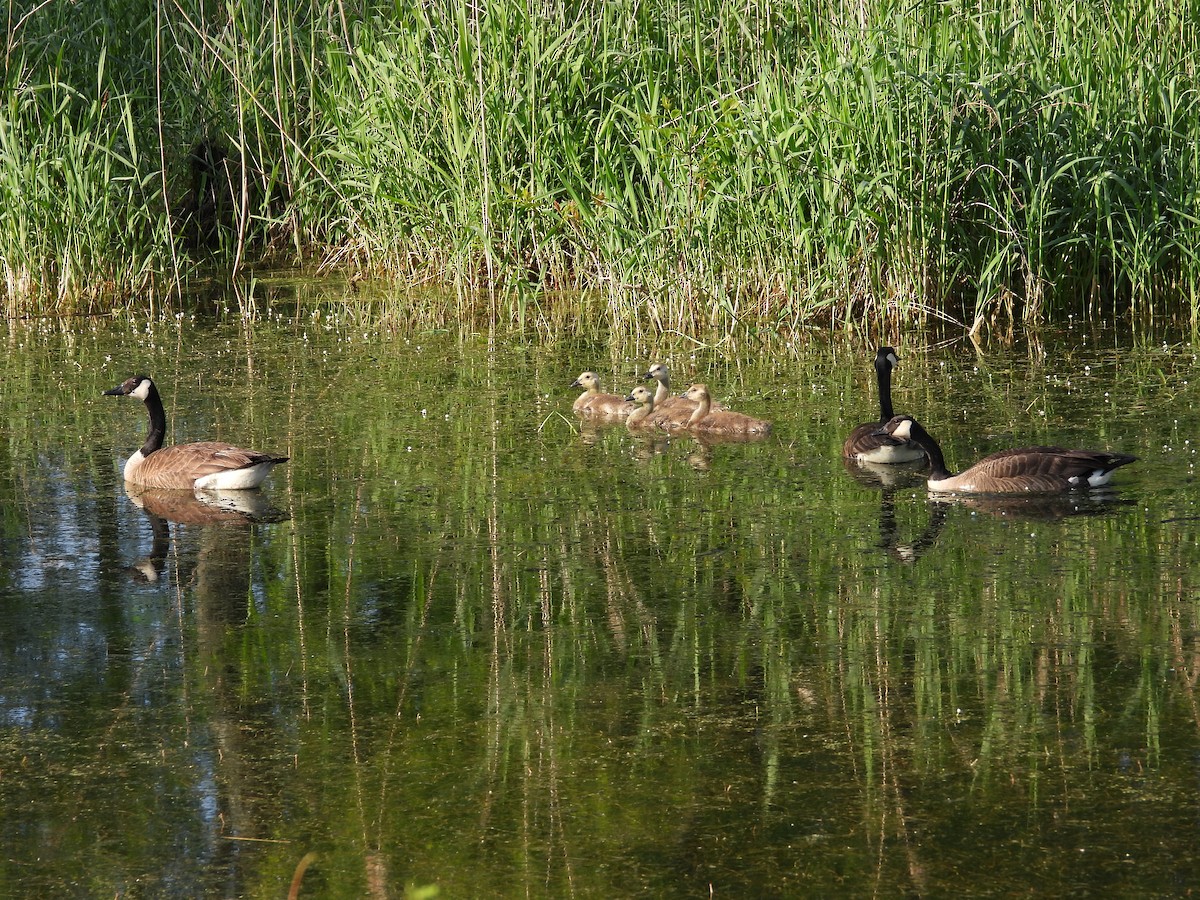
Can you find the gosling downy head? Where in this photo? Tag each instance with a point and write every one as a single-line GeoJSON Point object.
{"type": "Point", "coordinates": [662, 391]}
{"type": "Point", "coordinates": [589, 381]}
{"type": "Point", "coordinates": [644, 399]}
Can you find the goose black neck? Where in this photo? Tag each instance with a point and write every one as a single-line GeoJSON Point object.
{"type": "Point", "coordinates": [158, 421]}
{"type": "Point", "coordinates": [883, 369]}
{"type": "Point", "coordinates": [924, 440]}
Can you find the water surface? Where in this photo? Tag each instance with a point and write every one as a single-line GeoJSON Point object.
{"type": "Point", "coordinates": [466, 643]}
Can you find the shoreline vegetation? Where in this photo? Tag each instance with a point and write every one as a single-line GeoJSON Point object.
{"type": "Point", "coordinates": [687, 165]}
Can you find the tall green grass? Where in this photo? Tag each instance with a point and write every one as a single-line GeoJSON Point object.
{"type": "Point", "coordinates": [680, 165]}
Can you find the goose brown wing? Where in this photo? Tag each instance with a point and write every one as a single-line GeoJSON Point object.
{"type": "Point", "coordinates": [178, 467]}
{"type": "Point", "coordinates": [866, 438]}
{"type": "Point", "coordinates": [1045, 468]}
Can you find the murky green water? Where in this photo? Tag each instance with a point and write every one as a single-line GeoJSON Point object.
{"type": "Point", "coordinates": [480, 648]}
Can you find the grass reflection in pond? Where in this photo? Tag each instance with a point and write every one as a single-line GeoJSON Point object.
{"type": "Point", "coordinates": [480, 643]}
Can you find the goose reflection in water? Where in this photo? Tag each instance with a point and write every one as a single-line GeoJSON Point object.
{"type": "Point", "coordinates": [886, 475]}
{"type": "Point", "coordinates": [224, 509]}
{"type": "Point", "coordinates": [888, 479]}
{"type": "Point", "coordinates": [1037, 508]}
{"type": "Point", "coordinates": [212, 555]}
{"type": "Point", "coordinates": [889, 530]}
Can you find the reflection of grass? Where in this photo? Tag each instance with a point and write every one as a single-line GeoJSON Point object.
{"type": "Point", "coordinates": [694, 168]}
{"type": "Point", "coordinates": [645, 604]}
{"type": "Point", "coordinates": [480, 652]}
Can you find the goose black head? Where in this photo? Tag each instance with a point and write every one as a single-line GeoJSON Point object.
{"type": "Point", "coordinates": [899, 427]}
{"type": "Point", "coordinates": [138, 386]}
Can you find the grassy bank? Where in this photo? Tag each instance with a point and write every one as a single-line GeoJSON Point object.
{"type": "Point", "coordinates": [687, 164]}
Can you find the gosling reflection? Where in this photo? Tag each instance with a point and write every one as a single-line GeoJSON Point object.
{"type": "Point", "coordinates": [704, 446]}
{"type": "Point", "coordinates": [698, 449]}
{"type": "Point", "coordinates": [648, 444]}
{"type": "Point", "coordinates": [589, 433]}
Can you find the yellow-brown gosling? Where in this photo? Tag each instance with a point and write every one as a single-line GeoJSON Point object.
{"type": "Point", "coordinates": [593, 404]}
{"type": "Point", "coordinates": [719, 421]}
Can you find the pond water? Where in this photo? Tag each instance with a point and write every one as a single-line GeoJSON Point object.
{"type": "Point", "coordinates": [463, 645]}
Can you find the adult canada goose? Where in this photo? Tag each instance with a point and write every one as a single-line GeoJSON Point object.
{"type": "Point", "coordinates": [865, 443]}
{"type": "Point", "coordinates": [203, 465]}
{"type": "Point", "coordinates": [1026, 470]}
{"type": "Point", "coordinates": [593, 404]}
{"type": "Point", "coordinates": [719, 421]}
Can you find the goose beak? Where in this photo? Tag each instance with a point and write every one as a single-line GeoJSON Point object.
{"type": "Point", "coordinates": [881, 431]}
{"type": "Point", "coordinates": [647, 377]}
{"type": "Point", "coordinates": [118, 391]}
{"type": "Point", "coordinates": [574, 383]}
